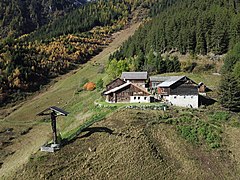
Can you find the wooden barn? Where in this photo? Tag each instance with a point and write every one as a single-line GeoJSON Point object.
{"type": "Point", "coordinates": [115, 83]}
{"type": "Point", "coordinates": [179, 91]}
{"type": "Point", "coordinates": [138, 78]}
{"type": "Point", "coordinates": [128, 92]}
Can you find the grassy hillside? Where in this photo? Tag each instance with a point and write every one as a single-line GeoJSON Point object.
{"type": "Point", "coordinates": [128, 144]}
{"type": "Point", "coordinates": [21, 142]}
{"type": "Point", "coordinates": [134, 144]}
{"type": "Point", "coordinates": [33, 60]}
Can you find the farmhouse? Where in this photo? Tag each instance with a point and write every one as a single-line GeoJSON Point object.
{"type": "Point", "coordinates": [176, 90]}
{"type": "Point", "coordinates": [179, 91]}
{"type": "Point", "coordinates": [127, 92]}
{"type": "Point", "coordinates": [138, 78]}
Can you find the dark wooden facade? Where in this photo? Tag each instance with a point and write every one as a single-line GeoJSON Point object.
{"type": "Point", "coordinates": [115, 83]}
{"type": "Point", "coordinates": [182, 87]}
{"type": "Point", "coordinates": [137, 81]}
{"type": "Point", "coordinates": [123, 95]}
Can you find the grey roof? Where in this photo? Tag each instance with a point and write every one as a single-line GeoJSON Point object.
{"type": "Point", "coordinates": [134, 75]}
{"type": "Point", "coordinates": [170, 81]}
{"type": "Point", "coordinates": [159, 78]}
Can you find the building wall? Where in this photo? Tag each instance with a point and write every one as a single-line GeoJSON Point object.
{"type": "Point", "coordinates": [184, 89]}
{"type": "Point", "coordinates": [183, 100]}
{"type": "Point", "coordinates": [140, 99]}
{"type": "Point", "coordinates": [163, 91]}
{"type": "Point", "coordinates": [153, 84]}
{"type": "Point", "coordinates": [124, 94]}
{"type": "Point", "coordinates": [138, 82]}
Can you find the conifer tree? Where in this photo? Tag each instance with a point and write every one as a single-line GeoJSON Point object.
{"type": "Point", "coordinates": [229, 92]}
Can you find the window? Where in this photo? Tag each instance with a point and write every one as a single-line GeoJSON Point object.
{"type": "Point", "coordinates": [134, 97]}
{"type": "Point", "coordinates": [138, 98]}
{"type": "Point", "coordinates": [184, 97]}
{"type": "Point", "coordinates": [175, 97]}
{"type": "Point", "coordinates": [192, 97]}
{"type": "Point", "coordinates": [145, 98]}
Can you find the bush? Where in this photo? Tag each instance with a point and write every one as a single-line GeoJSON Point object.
{"type": "Point", "coordinates": [220, 116]}
{"type": "Point", "coordinates": [189, 133]}
{"type": "Point", "coordinates": [213, 139]}
{"type": "Point", "coordinates": [90, 86]}
{"type": "Point", "coordinates": [188, 66]}
{"type": "Point", "coordinates": [99, 84]}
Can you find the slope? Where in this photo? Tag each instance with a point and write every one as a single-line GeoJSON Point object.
{"type": "Point", "coordinates": [63, 94]}
{"type": "Point", "coordinates": [133, 144]}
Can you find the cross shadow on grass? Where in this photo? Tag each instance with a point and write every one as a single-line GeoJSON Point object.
{"type": "Point", "coordinates": [92, 130]}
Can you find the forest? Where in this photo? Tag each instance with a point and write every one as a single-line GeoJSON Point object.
{"type": "Point", "coordinates": [187, 27]}
{"type": "Point", "coordinates": [68, 36]}
{"type": "Point", "coordinates": [19, 17]}
{"type": "Point", "coordinates": [195, 27]}
{"type": "Point", "coordinates": [32, 60]}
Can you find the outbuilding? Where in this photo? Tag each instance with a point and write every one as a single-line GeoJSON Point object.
{"type": "Point", "coordinates": [179, 91]}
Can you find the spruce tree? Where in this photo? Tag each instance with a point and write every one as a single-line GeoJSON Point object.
{"type": "Point", "coordinates": [229, 92]}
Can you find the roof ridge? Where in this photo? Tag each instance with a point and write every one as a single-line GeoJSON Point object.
{"type": "Point", "coordinates": [124, 85]}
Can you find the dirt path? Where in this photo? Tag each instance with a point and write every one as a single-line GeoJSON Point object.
{"type": "Point", "coordinates": [26, 145]}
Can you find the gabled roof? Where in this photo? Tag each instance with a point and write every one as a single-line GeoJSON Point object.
{"type": "Point", "coordinates": [125, 85]}
{"type": "Point", "coordinates": [158, 78]}
{"type": "Point", "coordinates": [117, 88]}
{"type": "Point", "coordinates": [134, 75]}
{"type": "Point", "coordinates": [114, 81]}
{"type": "Point", "coordinates": [170, 81]}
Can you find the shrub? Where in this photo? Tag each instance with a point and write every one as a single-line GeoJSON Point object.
{"type": "Point", "coordinates": [220, 116]}
{"type": "Point", "coordinates": [189, 133]}
{"type": "Point", "coordinates": [90, 86]}
{"type": "Point", "coordinates": [188, 66]}
{"type": "Point", "coordinates": [99, 84]}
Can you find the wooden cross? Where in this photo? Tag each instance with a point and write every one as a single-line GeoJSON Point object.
{"type": "Point", "coordinates": [53, 111]}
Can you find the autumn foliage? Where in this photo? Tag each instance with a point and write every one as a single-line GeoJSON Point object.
{"type": "Point", "coordinates": [90, 86]}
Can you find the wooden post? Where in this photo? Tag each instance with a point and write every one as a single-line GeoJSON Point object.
{"type": "Point", "coordinates": [54, 127]}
